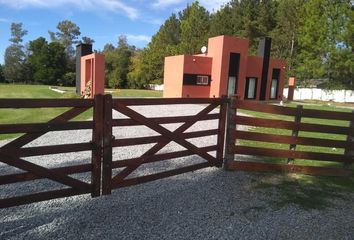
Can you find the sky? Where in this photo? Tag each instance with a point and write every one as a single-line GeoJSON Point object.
{"type": "Point", "coordinates": [102, 20]}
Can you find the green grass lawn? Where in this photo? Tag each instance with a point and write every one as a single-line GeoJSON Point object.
{"type": "Point", "coordinates": [38, 115]}
{"type": "Point", "coordinates": [308, 192]}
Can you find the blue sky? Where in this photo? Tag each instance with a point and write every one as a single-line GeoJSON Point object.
{"type": "Point", "coordinates": [102, 20]}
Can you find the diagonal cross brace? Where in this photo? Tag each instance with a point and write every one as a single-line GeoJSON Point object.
{"type": "Point", "coordinates": [44, 172]}
{"type": "Point", "coordinates": [29, 137]}
{"type": "Point", "coordinates": [169, 136]}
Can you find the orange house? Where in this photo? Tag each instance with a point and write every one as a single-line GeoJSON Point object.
{"type": "Point", "coordinates": [226, 69]}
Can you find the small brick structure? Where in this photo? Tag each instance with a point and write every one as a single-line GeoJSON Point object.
{"type": "Point", "coordinates": [92, 75]}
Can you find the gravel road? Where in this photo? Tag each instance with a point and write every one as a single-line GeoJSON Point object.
{"type": "Point", "coordinates": [205, 204]}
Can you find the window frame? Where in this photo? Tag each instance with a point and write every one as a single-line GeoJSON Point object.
{"type": "Point", "coordinates": [203, 77]}
{"type": "Point", "coordinates": [247, 87]}
{"type": "Point", "coordinates": [276, 89]}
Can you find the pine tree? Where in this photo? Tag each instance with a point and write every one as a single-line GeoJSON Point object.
{"type": "Point", "coordinates": [15, 57]}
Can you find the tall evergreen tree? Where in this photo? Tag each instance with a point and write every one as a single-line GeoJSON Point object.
{"type": "Point", "coordinates": [15, 56]}
{"type": "Point", "coordinates": [2, 77]}
{"type": "Point", "coordinates": [47, 61]}
{"type": "Point", "coordinates": [117, 63]}
{"type": "Point", "coordinates": [195, 25]}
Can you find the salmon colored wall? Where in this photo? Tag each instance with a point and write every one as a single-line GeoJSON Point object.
{"type": "Point", "coordinates": [235, 45]}
{"type": "Point", "coordinates": [173, 76]}
{"type": "Point", "coordinates": [281, 64]}
{"type": "Point", "coordinates": [197, 64]}
{"type": "Point", "coordinates": [214, 46]}
{"type": "Point", "coordinates": [98, 87]}
{"type": "Point", "coordinates": [254, 69]}
{"type": "Point", "coordinates": [92, 68]}
{"type": "Point", "coordinates": [196, 91]}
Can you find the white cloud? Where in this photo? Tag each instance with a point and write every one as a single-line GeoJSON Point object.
{"type": "Point", "coordinates": [138, 38]}
{"type": "Point", "coordinates": [213, 5]}
{"type": "Point", "coordinates": [4, 20]}
{"type": "Point", "coordinates": [91, 5]}
{"type": "Point", "coordinates": [166, 3]}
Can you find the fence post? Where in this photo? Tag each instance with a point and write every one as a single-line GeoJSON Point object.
{"type": "Point", "coordinates": [221, 131]}
{"type": "Point", "coordinates": [349, 151]}
{"type": "Point", "coordinates": [295, 131]}
{"type": "Point", "coordinates": [230, 129]}
{"type": "Point", "coordinates": [107, 146]}
{"type": "Point", "coordinates": [97, 138]}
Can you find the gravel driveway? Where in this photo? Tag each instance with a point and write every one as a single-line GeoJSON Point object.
{"type": "Point", "coordinates": [205, 204]}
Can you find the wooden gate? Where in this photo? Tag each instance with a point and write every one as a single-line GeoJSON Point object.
{"type": "Point", "coordinates": [166, 136]}
{"type": "Point", "coordinates": [12, 153]}
{"type": "Point", "coordinates": [283, 127]}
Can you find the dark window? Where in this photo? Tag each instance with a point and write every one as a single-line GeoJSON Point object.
{"type": "Point", "coordinates": [196, 79]}
{"type": "Point", "coordinates": [251, 88]}
{"type": "Point", "coordinates": [274, 85]}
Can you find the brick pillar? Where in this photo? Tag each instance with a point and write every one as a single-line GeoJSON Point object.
{"type": "Point", "coordinates": [291, 88]}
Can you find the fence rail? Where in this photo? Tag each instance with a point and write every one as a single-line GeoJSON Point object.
{"type": "Point", "coordinates": [296, 126]}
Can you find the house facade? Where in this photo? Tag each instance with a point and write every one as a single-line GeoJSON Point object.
{"type": "Point", "coordinates": [226, 69]}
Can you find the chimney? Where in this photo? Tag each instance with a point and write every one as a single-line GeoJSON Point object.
{"type": "Point", "coordinates": [264, 52]}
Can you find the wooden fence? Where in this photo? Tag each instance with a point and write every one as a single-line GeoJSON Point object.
{"type": "Point", "coordinates": [297, 125]}
{"type": "Point", "coordinates": [102, 144]}
{"type": "Point", "coordinates": [13, 152]}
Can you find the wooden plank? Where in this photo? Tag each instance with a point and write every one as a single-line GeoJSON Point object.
{"type": "Point", "coordinates": [349, 150]}
{"type": "Point", "coordinates": [158, 157]}
{"type": "Point", "coordinates": [230, 128]}
{"type": "Point", "coordinates": [107, 146]}
{"type": "Point", "coordinates": [97, 144]}
{"type": "Point", "coordinates": [45, 103]}
{"type": "Point", "coordinates": [123, 174]}
{"type": "Point", "coordinates": [28, 176]}
{"type": "Point", "coordinates": [43, 172]}
{"type": "Point", "coordinates": [221, 133]}
{"type": "Point", "coordinates": [154, 139]}
{"type": "Point", "coordinates": [29, 137]}
{"type": "Point", "coordinates": [285, 168]}
{"type": "Point", "coordinates": [156, 176]}
{"type": "Point", "coordinates": [263, 137]}
{"type": "Point", "coordinates": [41, 127]}
{"type": "Point", "coordinates": [333, 115]}
{"type": "Point", "coordinates": [293, 154]}
{"type": "Point", "coordinates": [163, 120]}
{"type": "Point", "coordinates": [271, 123]}
{"type": "Point", "coordinates": [295, 132]}
{"type": "Point", "coordinates": [263, 107]}
{"type": "Point", "coordinates": [165, 101]}
{"type": "Point", "coordinates": [42, 196]}
{"type": "Point", "coordinates": [173, 136]}
{"type": "Point", "coordinates": [47, 150]}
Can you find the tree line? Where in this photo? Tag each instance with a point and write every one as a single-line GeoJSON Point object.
{"type": "Point", "coordinates": [314, 36]}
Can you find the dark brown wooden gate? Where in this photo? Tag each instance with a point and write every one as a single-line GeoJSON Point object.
{"type": "Point", "coordinates": [13, 152]}
{"type": "Point", "coordinates": [179, 136]}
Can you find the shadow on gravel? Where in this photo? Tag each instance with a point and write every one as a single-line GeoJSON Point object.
{"type": "Point", "coordinates": [307, 192]}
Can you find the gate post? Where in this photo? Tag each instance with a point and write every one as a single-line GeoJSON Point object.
{"type": "Point", "coordinates": [295, 132]}
{"type": "Point", "coordinates": [221, 131]}
{"type": "Point", "coordinates": [230, 129]}
{"type": "Point", "coordinates": [107, 146]}
{"type": "Point", "coordinates": [97, 137]}
{"type": "Point", "coordinates": [348, 151]}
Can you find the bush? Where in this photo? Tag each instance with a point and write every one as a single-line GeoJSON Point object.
{"type": "Point", "coordinates": [68, 79]}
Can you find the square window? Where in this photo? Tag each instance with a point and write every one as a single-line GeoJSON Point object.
{"type": "Point", "coordinates": [202, 80]}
